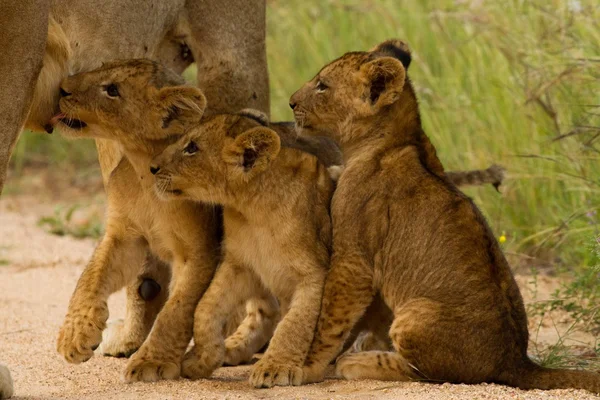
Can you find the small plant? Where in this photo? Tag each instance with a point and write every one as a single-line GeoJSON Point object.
{"type": "Point", "coordinates": [62, 223]}
{"type": "Point", "coordinates": [561, 355]}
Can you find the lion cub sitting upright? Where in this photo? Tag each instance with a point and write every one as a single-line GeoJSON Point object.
{"type": "Point", "coordinates": [277, 236]}
{"type": "Point", "coordinates": [403, 230]}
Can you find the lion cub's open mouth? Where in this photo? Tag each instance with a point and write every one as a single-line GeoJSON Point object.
{"type": "Point", "coordinates": [72, 123]}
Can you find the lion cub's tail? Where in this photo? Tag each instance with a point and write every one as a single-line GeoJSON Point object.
{"type": "Point", "coordinates": [533, 376]}
{"type": "Point", "coordinates": [477, 177]}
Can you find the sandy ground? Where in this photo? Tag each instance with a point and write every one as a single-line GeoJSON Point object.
{"type": "Point", "coordinates": [38, 272]}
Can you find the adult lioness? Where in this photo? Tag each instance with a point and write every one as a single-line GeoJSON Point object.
{"type": "Point", "coordinates": [402, 229]}
{"type": "Point", "coordinates": [42, 42]}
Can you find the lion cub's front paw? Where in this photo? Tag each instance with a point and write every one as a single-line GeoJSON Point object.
{"type": "Point", "coordinates": [117, 341]}
{"type": "Point", "coordinates": [267, 373]}
{"type": "Point", "coordinates": [145, 368]}
{"type": "Point", "coordinates": [81, 333]}
{"type": "Point", "coordinates": [200, 363]}
{"type": "Point", "coordinates": [313, 374]}
{"type": "Point", "coordinates": [237, 352]}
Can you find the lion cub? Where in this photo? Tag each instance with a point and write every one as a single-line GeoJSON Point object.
{"type": "Point", "coordinates": [401, 229]}
{"type": "Point", "coordinates": [277, 236]}
{"type": "Point", "coordinates": [132, 103]}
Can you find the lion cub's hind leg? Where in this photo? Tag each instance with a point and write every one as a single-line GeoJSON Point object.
{"type": "Point", "coordinates": [145, 298]}
{"type": "Point", "coordinates": [381, 365]}
{"type": "Point", "coordinates": [262, 315]}
{"type": "Point", "coordinates": [407, 331]}
{"type": "Point", "coordinates": [432, 342]}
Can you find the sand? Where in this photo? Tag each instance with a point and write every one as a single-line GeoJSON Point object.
{"type": "Point", "coordinates": [38, 273]}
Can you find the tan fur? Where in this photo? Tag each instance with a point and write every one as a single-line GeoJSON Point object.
{"type": "Point", "coordinates": [277, 236]}
{"type": "Point", "coordinates": [403, 230]}
{"type": "Point", "coordinates": [225, 38]}
{"type": "Point", "coordinates": [55, 68]}
{"type": "Point", "coordinates": [181, 233]}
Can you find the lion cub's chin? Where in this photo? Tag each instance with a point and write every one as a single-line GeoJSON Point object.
{"type": "Point", "coordinates": [168, 194]}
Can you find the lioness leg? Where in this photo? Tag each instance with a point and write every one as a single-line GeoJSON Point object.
{"type": "Point", "coordinates": [262, 316]}
{"type": "Point", "coordinates": [109, 270]}
{"type": "Point", "coordinates": [347, 294]}
{"type": "Point", "coordinates": [161, 354]}
{"type": "Point", "coordinates": [23, 34]}
{"type": "Point", "coordinates": [146, 296]}
{"type": "Point", "coordinates": [233, 284]}
{"type": "Point", "coordinates": [283, 361]}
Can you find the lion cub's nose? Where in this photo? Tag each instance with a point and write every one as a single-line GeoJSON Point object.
{"type": "Point", "coordinates": [292, 105]}
{"type": "Point", "coordinates": [154, 170]}
{"type": "Point", "coordinates": [64, 93]}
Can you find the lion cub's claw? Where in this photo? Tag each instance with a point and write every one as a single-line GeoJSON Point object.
{"type": "Point", "coordinates": [144, 370]}
{"type": "Point", "coordinates": [197, 366]}
{"type": "Point", "coordinates": [266, 374]}
{"type": "Point", "coordinates": [81, 334]}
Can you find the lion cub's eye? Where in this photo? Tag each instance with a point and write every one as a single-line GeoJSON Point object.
{"type": "Point", "coordinates": [321, 87]}
{"type": "Point", "coordinates": [112, 90]}
{"type": "Point", "coordinates": [191, 148]}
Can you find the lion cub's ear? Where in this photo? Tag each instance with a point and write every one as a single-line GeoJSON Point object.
{"type": "Point", "coordinates": [395, 48]}
{"type": "Point", "coordinates": [253, 150]}
{"type": "Point", "coordinates": [181, 107]}
{"type": "Point", "coordinates": [385, 80]}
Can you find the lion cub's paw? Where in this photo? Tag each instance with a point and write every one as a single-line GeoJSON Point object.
{"type": "Point", "coordinates": [267, 373]}
{"type": "Point", "coordinates": [81, 333]}
{"type": "Point", "coordinates": [237, 352]}
{"type": "Point", "coordinates": [312, 374]}
{"type": "Point", "coordinates": [353, 365]}
{"type": "Point", "coordinates": [146, 369]}
{"type": "Point", "coordinates": [200, 363]}
{"type": "Point", "coordinates": [117, 341]}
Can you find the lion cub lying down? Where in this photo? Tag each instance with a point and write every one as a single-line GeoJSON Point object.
{"type": "Point", "coordinates": [403, 230]}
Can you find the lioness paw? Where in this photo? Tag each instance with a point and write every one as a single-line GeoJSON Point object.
{"type": "Point", "coordinates": [117, 341]}
{"type": "Point", "coordinates": [200, 363]}
{"type": "Point", "coordinates": [140, 369]}
{"type": "Point", "coordinates": [267, 373]}
{"type": "Point", "coordinates": [81, 333]}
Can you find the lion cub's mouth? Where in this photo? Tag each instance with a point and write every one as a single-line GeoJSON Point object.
{"type": "Point", "coordinates": [72, 123]}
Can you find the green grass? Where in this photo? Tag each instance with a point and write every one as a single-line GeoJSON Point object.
{"type": "Point", "coordinates": [512, 82]}
{"type": "Point", "coordinates": [62, 223]}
